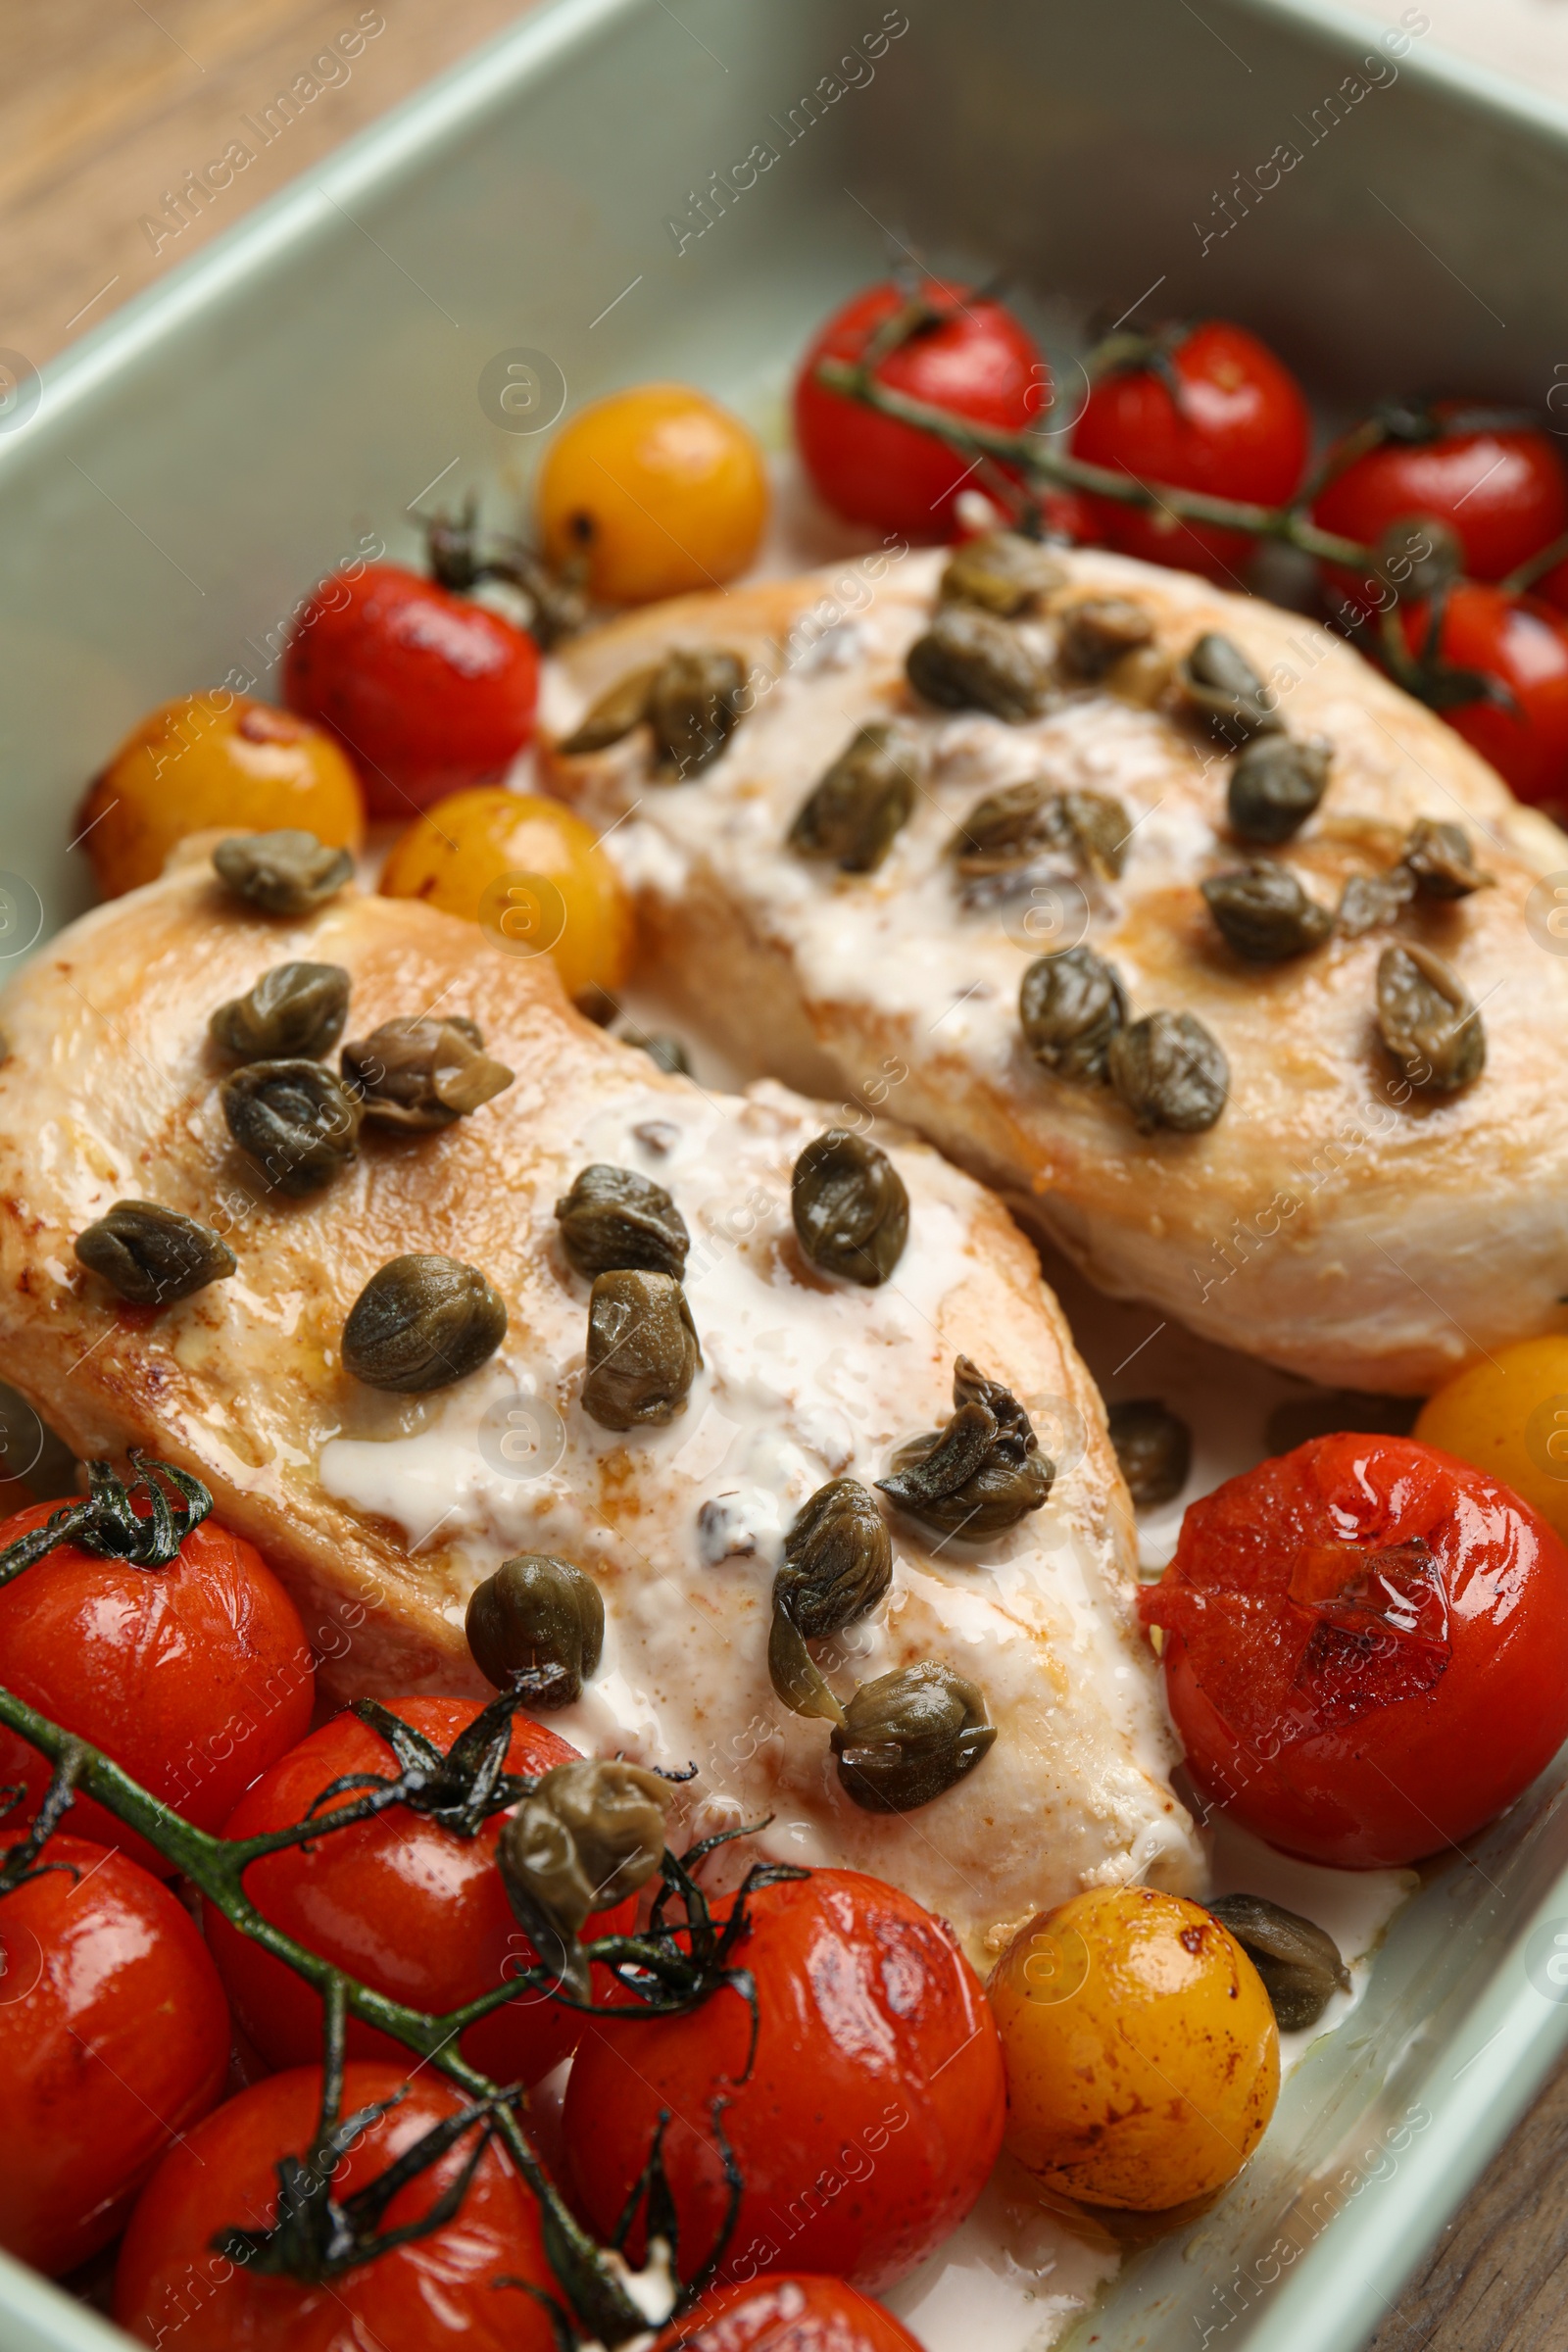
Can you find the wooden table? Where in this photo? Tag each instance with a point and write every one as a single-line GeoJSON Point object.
{"type": "Point", "coordinates": [108, 105]}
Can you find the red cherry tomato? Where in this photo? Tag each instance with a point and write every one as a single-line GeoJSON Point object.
{"type": "Point", "coordinates": [975, 360]}
{"type": "Point", "coordinates": [171, 2288]}
{"type": "Point", "coordinates": [427, 692]}
{"type": "Point", "coordinates": [1525, 645]}
{"type": "Point", "coordinates": [114, 2036]}
{"type": "Point", "coordinates": [872, 2112]}
{"type": "Point", "coordinates": [1240, 429]}
{"type": "Point", "coordinates": [404, 1904]}
{"type": "Point", "coordinates": [194, 1676]}
{"type": "Point", "coordinates": [1366, 1649]}
{"type": "Point", "coordinates": [788, 2313]}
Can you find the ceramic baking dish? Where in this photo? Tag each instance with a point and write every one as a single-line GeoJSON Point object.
{"type": "Point", "coordinates": [613, 191]}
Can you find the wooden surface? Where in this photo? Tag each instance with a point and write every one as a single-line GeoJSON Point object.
{"type": "Point", "coordinates": [105, 107]}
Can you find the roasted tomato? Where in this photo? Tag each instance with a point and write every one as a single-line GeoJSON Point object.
{"type": "Point", "coordinates": [964, 353]}
{"type": "Point", "coordinates": [408, 1906]}
{"type": "Point", "coordinates": [194, 1676]}
{"type": "Point", "coordinates": [174, 2288]}
{"type": "Point", "coordinates": [1524, 644]}
{"type": "Point", "coordinates": [425, 691]}
{"type": "Point", "coordinates": [870, 2118]}
{"type": "Point", "coordinates": [1508, 1414]}
{"type": "Point", "coordinates": [1366, 1649]}
{"type": "Point", "coordinates": [1212, 409]}
{"type": "Point", "coordinates": [114, 2037]}
{"type": "Point", "coordinates": [787, 2313]}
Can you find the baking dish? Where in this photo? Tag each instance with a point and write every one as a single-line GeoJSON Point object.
{"type": "Point", "coordinates": [612, 192]}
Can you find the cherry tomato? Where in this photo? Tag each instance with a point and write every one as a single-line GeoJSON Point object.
{"type": "Point", "coordinates": [408, 1907]}
{"type": "Point", "coordinates": [114, 2037]}
{"type": "Point", "coordinates": [872, 2112]}
{"type": "Point", "coordinates": [214, 760]}
{"type": "Point", "coordinates": [1508, 1414]}
{"type": "Point", "coordinates": [426, 691]}
{"type": "Point", "coordinates": [659, 489]}
{"type": "Point", "coordinates": [173, 2288]}
{"type": "Point", "coordinates": [194, 1676]}
{"type": "Point", "coordinates": [1236, 425]}
{"type": "Point", "coordinates": [789, 2312]}
{"type": "Point", "coordinates": [1366, 1649]}
{"type": "Point", "coordinates": [1525, 645]}
{"type": "Point", "coordinates": [967, 354]}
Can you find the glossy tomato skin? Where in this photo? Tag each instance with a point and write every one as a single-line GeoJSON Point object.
{"type": "Point", "coordinates": [1525, 643]}
{"type": "Point", "coordinates": [872, 2114]}
{"type": "Point", "coordinates": [194, 1676]}
{"type": "Point", "coordinates": [426, 691]}
{"type": "Point", "coordinates": [170, 2287]}
{"type": "Point", "coordinates": [977, 362]}
{"type": "Point", "coordinates": [114, 2036]}
{"type": "Point", "coordinates": [1366, 1649]}
{"type": "Point", "coordinates": [1242, 430]}
{"type": "Point", "coordinates": [787, 2312]}
{"type": "Point", "coordinates": [407, 1906]}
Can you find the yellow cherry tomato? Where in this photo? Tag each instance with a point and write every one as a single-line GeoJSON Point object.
{"type": "Point", "coordinates": [214, 760]}
{"type": "Point", "coordinates": [530, 871]}
{"type": "Point", "coordinates": [1142, 2056]}
{"type": "Point", "coordinates": [1509, 1416]}
{"type": "Point", "coordinates": [659, 489]}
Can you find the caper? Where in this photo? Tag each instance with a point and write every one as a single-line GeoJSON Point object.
{"type": "Point", "coordinates": [619, 709]}
{"type": "Point", "coordinates": [1298, 1962]}
{"type": "Point", "coordinates": [538, 1625]}
{"type": "Point", "coordinates": [590, 1834]}
{"type": "Point", "coordinates": [1263, 913]}
{"type": "Point", "coordinates": [856, 812]}
{"type": "Point", "coordinates": [969, 660]}
{"type": "Point", "coordinates": [1095, 633]}
{"type": "Point", "coordinates": [1101, 829]}
{"type": "Point", "coordinates": [1368, 900]}
{"type": "Point", "coordinates": [612, 1217]}
{"type": "Point", "coordinates": [693, 707]}
{"type": "Point", "coordinates": [1275, 786]}
{"type": "Point", "coordinates": [294, 1009]}
{"type": "Point", "coordinates": [1071, 1006]}
{"type": "Point", "coordinates": [851, 1210]}
{"type": "Point", "coordinates": [1008, 829]}
{"type": "Point", "coordinates": [1153, 1447]}
{"type": "Point", "coordinates": [154, 1255]}
{"type": "Point", "coordinates": [838, 1562]}
{"type": "Point", "coordinates": [1002, 573]}
{"type": "Point", "coordinates": [286, 872]}
{"type": "Point", "coordinates": [1217, 680]}
{"type": "Point", "coordinates": [981, 1474]}
{"type": "Point", "coordinates": [420, 1074]}
{"type": "Point", "coordinates": [1440, 860]}
{"type": "Point", "coordinates": [665, 1051]}
{"type": "Point", "coordinates": [909, 1736]}
{"type": "Point", "coordinates": [295, 1120]}
{"type": "Point", "coordinates": [1429, 1025]}
{"type": "Point", "coordinates": [643, 1353]}
{"type": "Point", "coordinates": [1170, 1071]}
{"type": "Point", "coordinates": [421, 1322]}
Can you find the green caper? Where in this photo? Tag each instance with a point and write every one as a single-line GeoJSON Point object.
{"type": "Point", "coordinates": [619, 709]}
{"type": "Point", "coordinates": [851, 1210]}
{"type": "Point", "coordinates": [1440, 860]}
{"type": "Point", "coordinates": [1370, 900]}
{"type": "Point", "coordinates": [1298, 1962]}
{"type": "Point", "coordinates": [422, 1075]}
{"type": "Point", "coordinates": [1001, 572]}
{"type": "Point", "coordinates": [838, 1562]}
{"type": "Point", "coordinates": [1095, 633]}
{"type": "Point", "coordinates": [1219, 680]}
{"type": "Point", "coordinates": [154, 1255]}
{"type": "Point", "coordinates": [1263, 913]}
{"type": "Point", "coordinates": [537, 1625]}
{"type": "Point", "coordinates": [693, 707]}
{"type": "Point", "coordinates": [643, 1353]}
{"type": "Point", "coordinates": [1101, 830]}
{"type": "Point", "coordinates": [1071, 1006]}
{"type": "Point", "coordinates": [1275, 786]}
{"type": "Point", "coordinates": [1008, 829]}
{"type": "Point", "coordinates": [665, 1051]}
{"type": "Point", "coordinates": [590, 1834]}
{"type": "Point", "coordinates": [862, 804]}
{"type": "Point", "coordinates": [295, 1009]}
{"type": "Point", "coordinates": [969, 660]}
{"type": "Point", "coordinates": [909, 1736]}
{"type": "Point", "coordinates": [294, 1119]}
{"type": "Point", "coordinates": [981, 1474]}
{"type": "Point", "coordinates": [612, 1217]}
{"type": "Point", "coordinates": [1170, 1071]}
{"type": "Point", "coordinates": [1428, 1023]}
{"type": "Point", "coordinates": [1153, 1447]}
{"type": "Point", "coordinates": [421, 1322]}
{"type": "Point", "coordinates": [286, 872]}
